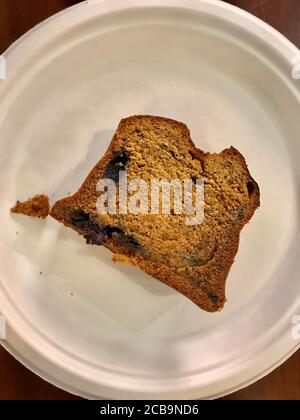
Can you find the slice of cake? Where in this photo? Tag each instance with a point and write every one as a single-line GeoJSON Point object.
{"type": "Point", "coordinates": [192, 255]}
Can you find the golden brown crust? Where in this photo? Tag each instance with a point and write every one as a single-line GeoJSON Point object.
{"type": "Point", "coordinates": [37, 206]}
{"type": "Point", "coordinates": [204, 285]}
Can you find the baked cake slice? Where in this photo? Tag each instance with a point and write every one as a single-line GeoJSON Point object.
{"type": "Point", "coordinates": [194, 259]}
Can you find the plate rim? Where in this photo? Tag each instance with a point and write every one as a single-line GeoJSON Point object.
{"type": "Point", "coordinates": [74, 391]}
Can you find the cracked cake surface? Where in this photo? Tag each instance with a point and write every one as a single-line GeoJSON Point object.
{"type": "Point", "coordinates": [193, 259]}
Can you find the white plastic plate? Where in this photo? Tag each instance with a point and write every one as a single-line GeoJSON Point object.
{"type": "Point", "coordinates": [99, 329]}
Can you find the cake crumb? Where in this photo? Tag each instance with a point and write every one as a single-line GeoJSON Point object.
{"type": "Point", "coordinates": [37, 206]}
{"type": "Point", "coordinates": [122, 259]}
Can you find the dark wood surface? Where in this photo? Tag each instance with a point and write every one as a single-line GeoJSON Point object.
{"type": "Point", "coordinates": [16, 17]}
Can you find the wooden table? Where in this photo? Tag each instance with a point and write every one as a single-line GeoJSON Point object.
{"type": "Point", "coordinates": [16, 17]}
